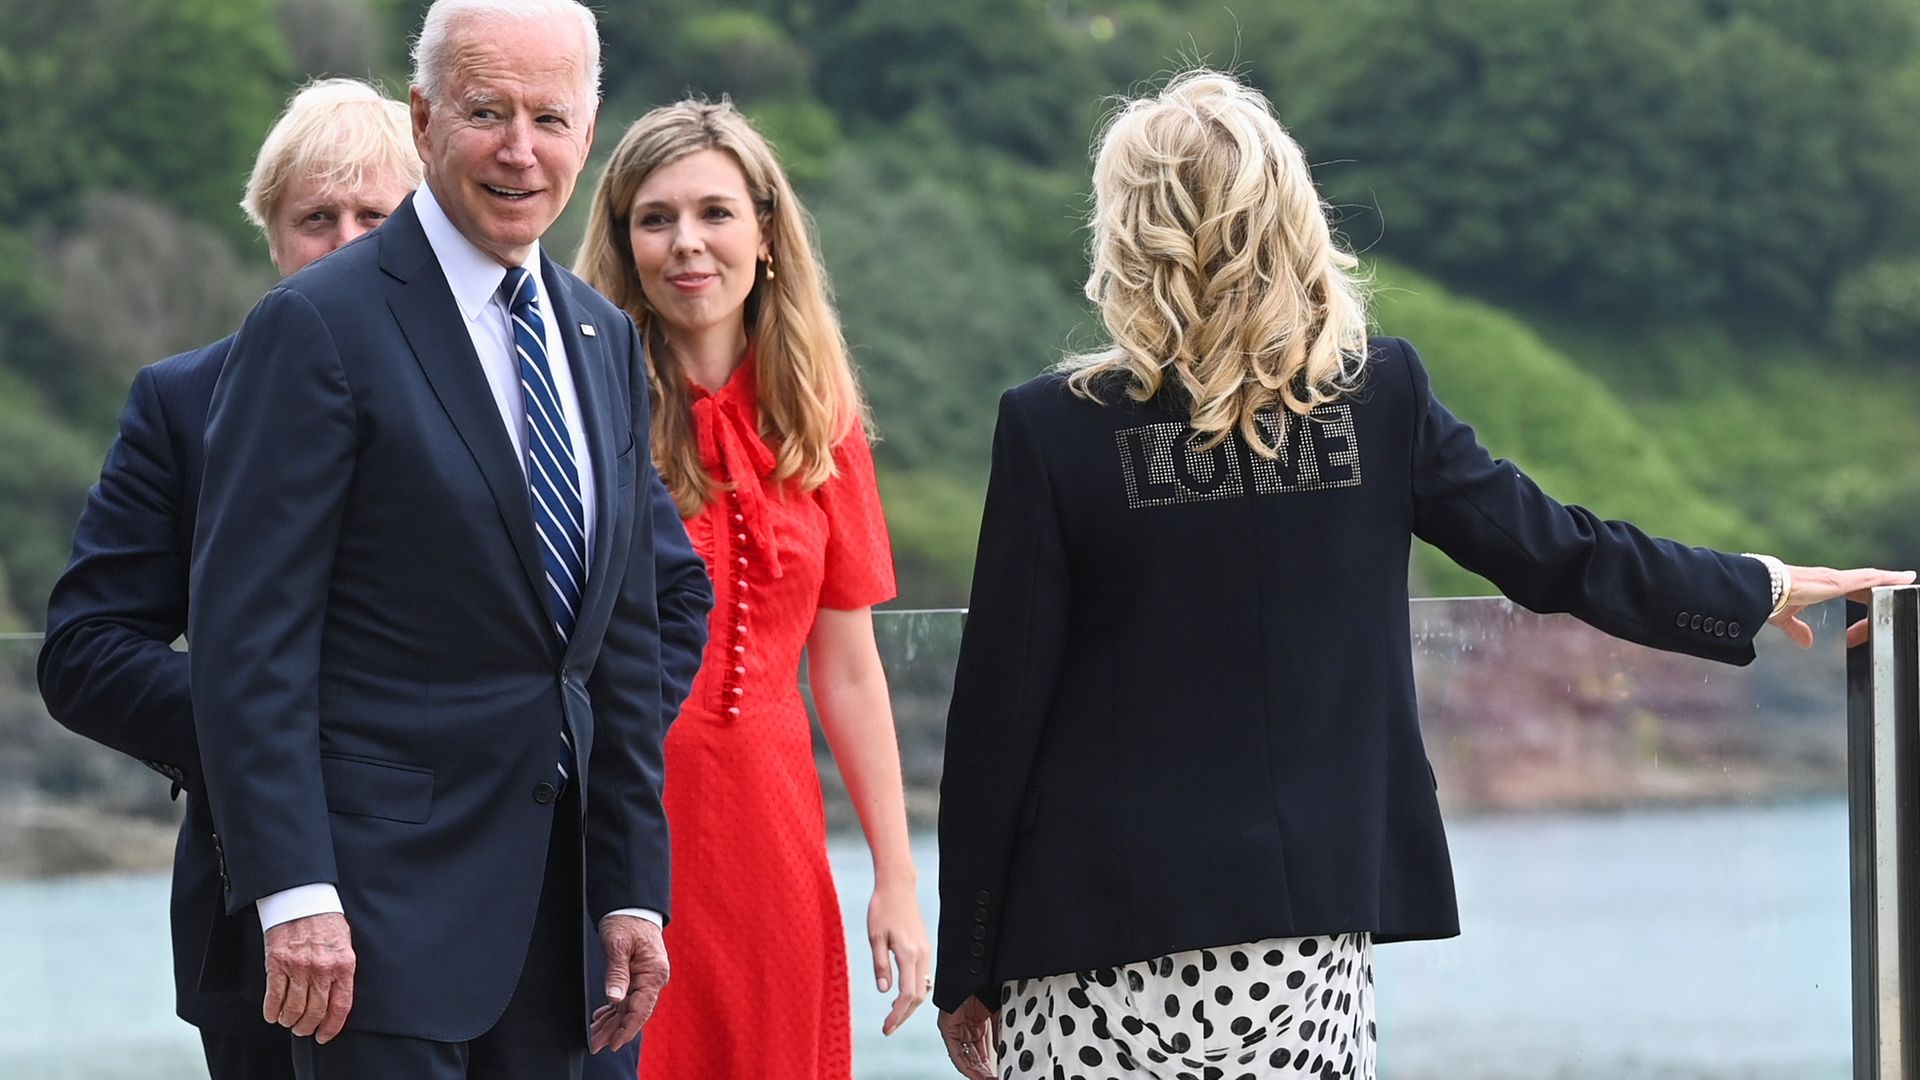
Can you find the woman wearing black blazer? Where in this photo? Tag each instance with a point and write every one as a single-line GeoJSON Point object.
{"type": "Point", "coordinates": [1185, 789]}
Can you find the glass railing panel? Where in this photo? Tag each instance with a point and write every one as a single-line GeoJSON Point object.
{"type": "Point", "coordinates": [86, 836]}
{"type": "Point", "coordinates": [1651, 853]}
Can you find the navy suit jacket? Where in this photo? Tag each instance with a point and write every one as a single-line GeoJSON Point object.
{"type": "Point", "coordinates": [108, 670]}
{"type": "Point", "coordinates": [376, 679]}
{"type": "Point", "coordinates": [1184, 711]}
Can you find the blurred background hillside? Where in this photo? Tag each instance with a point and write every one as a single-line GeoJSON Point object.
{"type": "Point", "coordinates": [1665, 254]}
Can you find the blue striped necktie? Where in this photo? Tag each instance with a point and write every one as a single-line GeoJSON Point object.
{"type": "Point", "coordinates": [553, 476]}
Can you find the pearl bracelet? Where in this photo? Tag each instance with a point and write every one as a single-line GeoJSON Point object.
{"type": "Point", "coordinates": [1779, 578]}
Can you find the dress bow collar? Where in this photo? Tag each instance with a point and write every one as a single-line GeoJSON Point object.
{"type": "Point", "coordinates": [726, 423]}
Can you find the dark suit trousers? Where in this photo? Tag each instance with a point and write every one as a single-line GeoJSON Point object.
{"type": "Point", "coordinates": [541, 1036]}
{"type": "Point", "coordinates": [263, 1055]}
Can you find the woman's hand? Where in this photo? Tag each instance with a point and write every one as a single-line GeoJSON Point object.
{"type": "Point", "coordinates": [1818, 584]}
{"type": "Point", "coordinates": [899, 940]}
{"type": "Point", "coordinates": [968, 1033]}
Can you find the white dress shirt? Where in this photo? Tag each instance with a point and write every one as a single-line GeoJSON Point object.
{"type": "Point", "coordinates": [475, 277]}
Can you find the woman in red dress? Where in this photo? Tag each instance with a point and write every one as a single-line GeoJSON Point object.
{"type": "Point", "coordinates": [759, 431]}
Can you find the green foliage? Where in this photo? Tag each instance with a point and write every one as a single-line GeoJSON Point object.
{"type": "Point", "coordinates": [748, 55]}
{"type": "Point", "coordinates": [1876, 311]}
{"type": "Point", "coordinates": [1820, 450]}
{"type": "Point", "coordinates": [1530, 403]}
{"type": "Point", "coordinates": [1607, 154]}
{"type": "Point", "coordinates": [1036, 213]}
{"type": "Point", "coordinates": [996, 72]}
{"type": "Point", "coordinates": [803, 132]}
{"type": "Point", "coordinates": [45, 469]}
{"type": "Point", "coordinates": [1628, 177]}
{"type": "Point", "coordinates": [119, 94]}
{"type": "Point", "coordinates": [336, 37]}
{"type": "Point", "coordinates": [27, 300]}
{"type": "Point", "coordinates": [176, 284]}
{"type": "Point", "coordinates": [933, 518]}
{"type": "Point", "coordinates": [939, 322]}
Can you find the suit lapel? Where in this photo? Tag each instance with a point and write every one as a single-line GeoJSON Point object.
{"type": "Point", "coordinates": [587, 358]}
{"type": "Point", "coordinates": [424, 307]}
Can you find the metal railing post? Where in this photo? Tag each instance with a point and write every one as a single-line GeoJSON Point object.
{"type": "Point", "coordinates": [1883, 798]}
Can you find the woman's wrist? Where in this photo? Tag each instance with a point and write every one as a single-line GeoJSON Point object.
{"type": "Point", "coordinates": [1779, 579]}
{"type": "Point", "coordinates": [891, 875]}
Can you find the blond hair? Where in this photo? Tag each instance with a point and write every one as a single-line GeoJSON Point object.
{"type": "Point", "coordinates": [1213, 263]}
{"type": "Point", "coordinates": [339, 130]}
{"type": "Point", "coordinates": [809, 398]}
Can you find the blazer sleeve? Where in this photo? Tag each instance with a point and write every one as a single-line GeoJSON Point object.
{"type": "Point", "coordinates": [684, 594]}
{"type": "Point", "coordinates": [108, 669]}
{"type": "Point", "coordinates": [280, 453]}
{"type": "Point", "coordinates": [1010, 658]}
{"type": "Point", "coordinates": [1490, 518]}
{"type": "Point", "coordinates": [645, 669]}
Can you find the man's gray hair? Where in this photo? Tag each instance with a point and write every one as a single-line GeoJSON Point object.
{"type": "Point", "coordinates": [430, 49]}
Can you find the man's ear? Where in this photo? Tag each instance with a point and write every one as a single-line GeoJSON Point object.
{"type": "Point", "coordinates": [421, 111]}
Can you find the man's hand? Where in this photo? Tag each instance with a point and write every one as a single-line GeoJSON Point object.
{"type": "Point", "coordinates": [310, 965]}
{"type": "Point", "coordinates": [636, 972]}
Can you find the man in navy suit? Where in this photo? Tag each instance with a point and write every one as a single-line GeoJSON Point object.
{"type": "Point", "coordinates": [443, 607]}
{"type": "Point", "coordinates": [335, 164]}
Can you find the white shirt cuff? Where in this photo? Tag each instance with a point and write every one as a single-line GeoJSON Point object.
{"type": "Point", "coordinates": [298, 902]}
{"type": "Point", "coordinates": [648, 914]}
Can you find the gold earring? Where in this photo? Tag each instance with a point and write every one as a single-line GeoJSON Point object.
{"type": "Point", "coordinates": [769, 268]}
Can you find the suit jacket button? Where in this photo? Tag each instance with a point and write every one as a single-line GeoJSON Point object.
{"type": "Point", "coordinates": [979, 914]}
{"type": "Point", "coordinates": [1733, 629]}
{"type": "Point", "coordinates": [977, 949]}
{"type": "Point", "coordinates": [1680, 620]}
{"type": "Point", "coordinates": [979, 933]}
{"type": "Point", "coordinates": [543, 792]}
{"type": "Point", "coordinates": [980, 897]}
{"type": "Point", "coordinates": [1695, 622]}
{"type": "Point", "coordinates": [974, 967]}
{"type": "Point", "coordinates": [1719, 628]}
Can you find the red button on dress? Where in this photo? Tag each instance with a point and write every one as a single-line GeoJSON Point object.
{"type": "Point", "coordinates": [760, 984]}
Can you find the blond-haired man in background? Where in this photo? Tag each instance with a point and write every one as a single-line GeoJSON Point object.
{"type": "Point", "coordinates": [339, 159]}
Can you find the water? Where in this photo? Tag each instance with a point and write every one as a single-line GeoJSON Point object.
{"type": "Point", "coordinates": [1706, 944]}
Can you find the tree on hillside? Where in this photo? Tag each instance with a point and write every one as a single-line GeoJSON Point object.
{"type": "Point", "coordinates": [1609, 154]}
{"type": "Point", "coordinates": [939, 317]}
{"type": "Point", "coordinates": [174, 284]}
{"type": "Point", "coordinates": [336, 37]}
{"type": "Point", "coordinates": [998, 72]}
{"type": "Point", "coordinates": [121, 94]}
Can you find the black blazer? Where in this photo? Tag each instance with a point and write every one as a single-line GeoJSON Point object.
{"type": "Point", "coordinates": [377, 683]}
{"type": "Point", "coordinates": [108, 670]}
{"type": "Point", "coordinates": [1184, 711]}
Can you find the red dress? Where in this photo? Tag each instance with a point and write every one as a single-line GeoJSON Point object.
{"type": "Point", "coordinates": [759, 985]}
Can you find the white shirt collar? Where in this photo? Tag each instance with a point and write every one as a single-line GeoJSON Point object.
{"type": "Point", "coordinates": [472, 274]}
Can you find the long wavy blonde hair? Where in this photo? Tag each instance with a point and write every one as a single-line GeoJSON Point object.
{"type": "Point", "coordinates": [809, 398]}
{"type": "Point", "coordinates": [1213, 263]}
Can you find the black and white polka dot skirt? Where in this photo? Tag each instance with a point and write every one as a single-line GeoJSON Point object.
{"type": "Point", "coordinates": [1284, 1007]}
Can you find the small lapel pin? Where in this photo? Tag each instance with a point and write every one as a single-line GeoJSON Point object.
{"type": "Point", "coordinates": [587, 329]}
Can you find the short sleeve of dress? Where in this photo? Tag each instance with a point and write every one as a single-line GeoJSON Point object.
{"type": "Point", "coordinates": [859, 560]}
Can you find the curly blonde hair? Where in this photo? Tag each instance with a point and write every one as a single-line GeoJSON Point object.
{"type": "Point", "coordinates": [809, 398]}
{"type": "Point", "coordinates": [1213, 263]}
